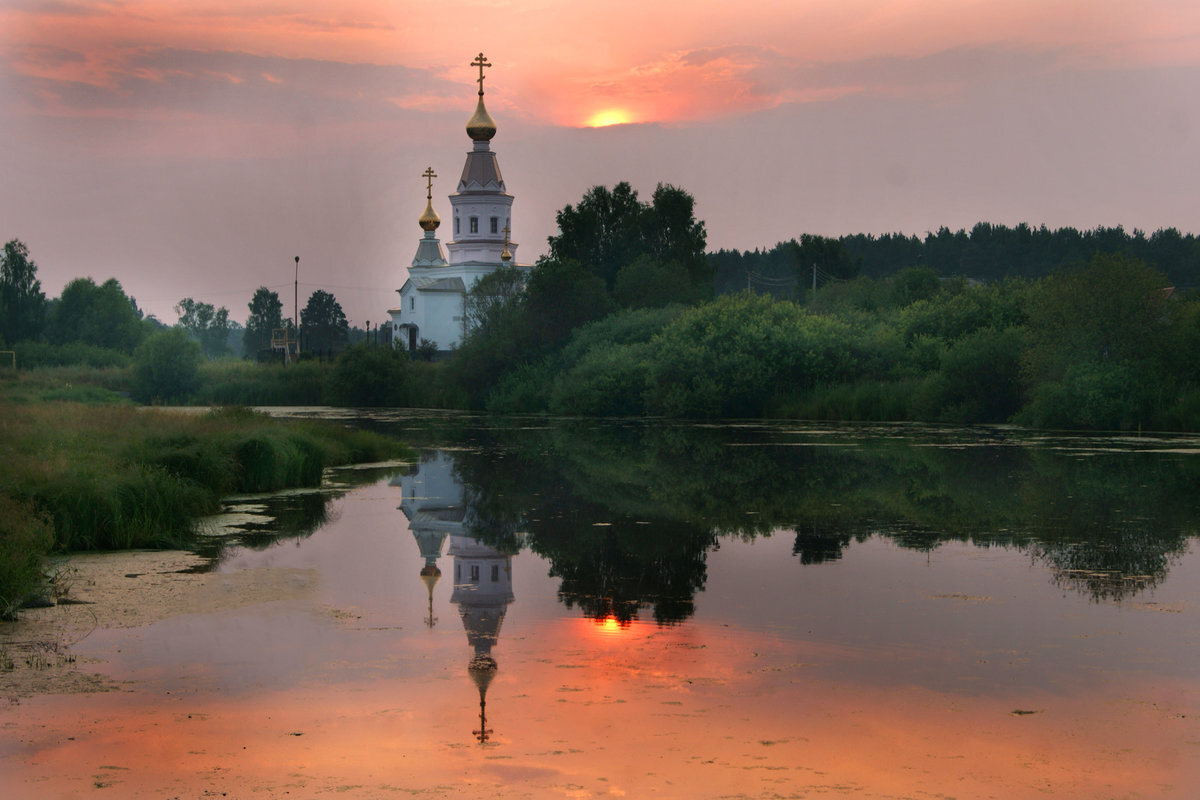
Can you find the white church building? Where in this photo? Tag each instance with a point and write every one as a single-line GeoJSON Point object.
{"type": "Point", "coordinates": [432, 299]}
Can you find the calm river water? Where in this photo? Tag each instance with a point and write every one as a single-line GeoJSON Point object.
{"type": "Point", "coordinates": [580, 609]}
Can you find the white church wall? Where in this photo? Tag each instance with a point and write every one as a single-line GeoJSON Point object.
{"type": "Point", "coordinates": [443, 319]}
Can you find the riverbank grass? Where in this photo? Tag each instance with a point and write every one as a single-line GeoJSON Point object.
{"type": "Point", "coordinates": [120, 477]}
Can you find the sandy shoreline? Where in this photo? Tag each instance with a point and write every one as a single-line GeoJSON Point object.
{"type": "Point", "coordinates": [120, 590]}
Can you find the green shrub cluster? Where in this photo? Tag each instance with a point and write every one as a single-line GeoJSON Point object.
{"type": "Point", "coordinates": [370, 376]}
{"type": "Point", "coordinates": [245, 383]}
{"type": "Point", "coordinates": [166, 367]}
{"type": "Point", "coordinates": [360, 376]}
{"type": "Point", "coordinates": [31, 355]}
{"type": "Point", "coordinates": [26, 536]}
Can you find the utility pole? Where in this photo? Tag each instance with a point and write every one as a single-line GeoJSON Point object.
{"type": "Point", "coordinates": [296, 307]}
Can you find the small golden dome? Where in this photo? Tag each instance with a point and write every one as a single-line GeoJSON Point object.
{"type": "Point", "coordinates": [482, 669]}
{"type": "Point", "coordinates": [481, 127]}
{"type": "Point", "coordinates": [430, 576]}
{"type": "Point", "coordinates": [429, 220]}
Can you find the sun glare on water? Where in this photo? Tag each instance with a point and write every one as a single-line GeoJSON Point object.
{"type": "Point", "coordinates": [609, 116]}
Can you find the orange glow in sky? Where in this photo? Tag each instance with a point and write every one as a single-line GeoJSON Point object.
{"type": "Point", "coordinates": [675, 64]}
{"type": "Point", "coordinates": [119, 118]}
{"type": "Point", "coordinates": [609, 116]}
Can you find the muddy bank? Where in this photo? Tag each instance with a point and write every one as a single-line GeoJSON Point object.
{"type": "Point", "coordinates": [121, 590]}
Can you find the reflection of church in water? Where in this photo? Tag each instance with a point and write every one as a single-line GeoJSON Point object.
{"type": "Point", "coordinates": [435, 505]}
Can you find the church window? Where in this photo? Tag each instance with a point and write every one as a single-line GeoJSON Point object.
{"type": "Point", "coordinates": [456, 225]}
{"type": "Point", "coordinates": [474, 224]}
{"type": "Point", "coordinates": [412, 303]}
{"type": "Point", "coordinates": [474, 573]}
{"type": "Point", "coordinates": [495, 224]}
{"type": "Point", "coordinates": [495, 573]}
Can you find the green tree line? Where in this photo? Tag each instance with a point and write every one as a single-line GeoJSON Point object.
{"type": "Point", "coordinates": [628, 316]}
{"type": "Point", "coordinates": [1104, 343]}
{"type": "Point", "coordinates": [987, 252]}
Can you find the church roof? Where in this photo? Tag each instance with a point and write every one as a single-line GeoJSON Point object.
{"type": "Point", "coordinates": [481, 172]}
{"type": "Point", "coordinates": [438, 284]}
{"type": "Point", "coordinates": [429, 253]}
{"type": "Point", "coordinates": [437, 514]}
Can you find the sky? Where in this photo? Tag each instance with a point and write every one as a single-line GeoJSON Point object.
{"type": "Point", "coordinates": [194, 149]}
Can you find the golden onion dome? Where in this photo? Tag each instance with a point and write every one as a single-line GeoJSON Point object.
{"type": "Point", "coordinates": [429, 220]}
{"type": "Point", "coordinates": [481, 127]}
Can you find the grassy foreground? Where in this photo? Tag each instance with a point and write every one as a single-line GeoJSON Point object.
{"type": "Point", "coordinates": [88, 477]}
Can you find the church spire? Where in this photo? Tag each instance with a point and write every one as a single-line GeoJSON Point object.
{"type": "Point", "coordinates": [481, 127]}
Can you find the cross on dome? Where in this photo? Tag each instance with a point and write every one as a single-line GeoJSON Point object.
{"type": "Point", "coordinates": [480, 62]}
{"type": "Point", "coordinates": [481, 127]}
{"type": "Point", "coordinates": [429, 175]}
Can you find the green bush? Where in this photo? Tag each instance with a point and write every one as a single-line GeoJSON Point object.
{"type": "Point", "coordinates": [43, 354]}
{"type": "Point", "coordinates": [1184, 413]}
{"type": "Point", "coordinates": [645, 283]}
{"type": "Point", "coordinates": [524, 389]}
{"type": "Point", "coordinates": [1092, 395]}
{"type": "Point", "coordinates": [609, 382]}
{"type": "Point", "coordinates": [166, 367]}
{"type": "Point", "coordinates": [980, 377]}
{"type": "Point", "coordinates": [370, 376]}
{"type": "Point", "coordinates": [586, 360]}
{"type": "Point", "coordinates": [26, 536]}
{"type": "Point", "coordinates": [949, 316]}
{"type": "Point", "coordinates": [246, 383]}
{"type": "Point", "coordinates": [727, 358]}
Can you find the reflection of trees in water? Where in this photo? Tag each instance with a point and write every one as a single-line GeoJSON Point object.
{"type": "Point", "coordinates": [287, 516]}
{"type": "Point", "coordinates": [1109, 573]}
{"type": "Point", "coordinates": [611, 564]}
{"type": "Point", "coordinates": [615, 570]}
{"type": "Point", "coordinates": [1108, 525]}
{"type": "Point", "coordinates": [820, 544]}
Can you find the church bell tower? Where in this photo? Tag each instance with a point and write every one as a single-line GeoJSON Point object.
{"type": "Point", "coordinates": [482, 206]}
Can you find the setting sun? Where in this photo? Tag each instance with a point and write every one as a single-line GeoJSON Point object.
{"type": "Point", "coordinates": [609, 116]}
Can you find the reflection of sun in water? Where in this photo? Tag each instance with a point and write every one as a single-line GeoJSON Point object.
{"type": "Point", "coordinates": [608, 627]}
{"type": "Point", "coordinates": [609, 116]}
